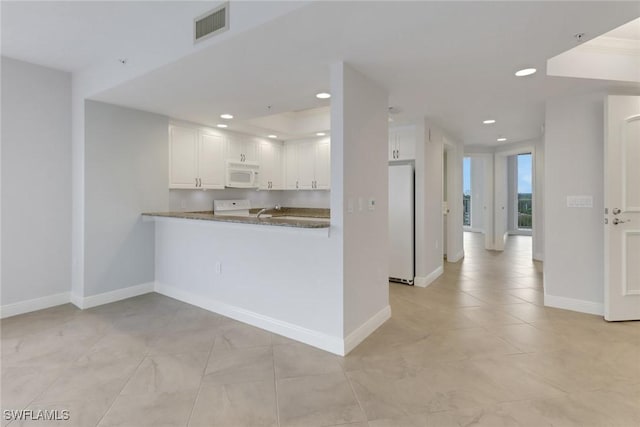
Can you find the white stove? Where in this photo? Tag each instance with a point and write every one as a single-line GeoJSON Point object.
{"type": "Point", "coordinates": [238, 207]}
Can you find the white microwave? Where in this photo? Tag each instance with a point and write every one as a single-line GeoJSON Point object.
{"type": "Point", "coordinates": [241, 174]}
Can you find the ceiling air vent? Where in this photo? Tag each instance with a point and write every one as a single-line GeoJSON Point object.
{"type": "Point", "coordinates": [212, 22]}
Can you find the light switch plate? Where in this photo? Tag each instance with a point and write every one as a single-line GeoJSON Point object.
{"type": "Point", "coordinates": [371, 204]}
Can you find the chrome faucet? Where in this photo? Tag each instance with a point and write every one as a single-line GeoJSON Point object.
{"type": "Point", "coordinates": [263, 210]}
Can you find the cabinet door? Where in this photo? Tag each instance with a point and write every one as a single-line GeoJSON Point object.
{"type": "Point", "coordinates": [406, 143]}
{"type": "Point", "coordinates": [211, 161]}
{"type": "Point", "coordinates": [250, 150]}
{"type": "Point", "coordinates": [183, 157]}
{"type": "Point", "coordinates": [277, 171]}
{"type": "Point", "coordinates": [392, 144]}
{"type": "Point", "coordinates": [290, 166]}
{"type": "Point", "coordinates": [235, 149]}
{"type": "Point", "coordinates": [306, 165]}
{"type": "Point", "coordinates": [323, 165]}
{"type": "Point", "coordinates": [266, 161]}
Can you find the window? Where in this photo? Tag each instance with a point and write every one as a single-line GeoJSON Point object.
{"type": "Point", "coordinates": [524, 191]}
{"type": "Point", "coordinates": [466, 192]}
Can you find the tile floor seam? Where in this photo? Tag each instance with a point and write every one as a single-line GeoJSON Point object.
{"type": "Point", "coordinates": [204, 373]}
{"type": "Point", "coordinates": [275, 382]}
{"type": "Point", "coordinates": [120, 392]}
{"type": "Point", "coordinates": [355, 395]}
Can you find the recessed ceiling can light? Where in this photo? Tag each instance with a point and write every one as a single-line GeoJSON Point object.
{"type": "Point", "coordinates": [272, 136]}
{"type": "Point", "coordinates": [501, 139]}
{"type": "Point", "coordinates": [323, 95]}
{"type": "Point", "coordinates": [525, 72]}
{"type": "Point", "coordinates": [489, 122]}
{"type": "Point", "coordinates": [221, 125]}
{"type": "Point", "coordinates": [226, 116]}
{"type": "Point", "coordinates": [320, 134]}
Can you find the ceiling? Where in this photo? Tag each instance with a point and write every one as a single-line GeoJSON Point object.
{"type": "Point", "coordinates": [452, 62]}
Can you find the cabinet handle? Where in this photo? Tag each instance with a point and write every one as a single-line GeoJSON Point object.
{"type": "Point", "coordinates": [200, 181]}
{"type": "Point", "coordinates": [296, 185]}
{"type": "Point", "coordinates": [196, 182]}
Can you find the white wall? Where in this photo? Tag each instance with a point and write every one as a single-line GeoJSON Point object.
{"type": "Point", "coordinates": [36, 181]}
{"type": "Point", "coordinates": [359, 168]}
{"type": "Point", "coordinates": [429, 187]}
{"type": "Point", "coordinates": [573, 145]}
{"type": "Point", "coordinates": [454, 232]}
{"type": "Point", "coordinates": [126, 164]}
{"type": "Point", "coordinates": [477, 193]}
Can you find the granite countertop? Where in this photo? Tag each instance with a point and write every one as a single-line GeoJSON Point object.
{"type": "Point", "coordinates": [306, 217]}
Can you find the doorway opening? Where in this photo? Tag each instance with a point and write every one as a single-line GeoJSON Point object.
{"type": "Point", "coordinates": [520, 194]}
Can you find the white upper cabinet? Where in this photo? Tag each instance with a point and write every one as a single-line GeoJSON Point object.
{"type": "Point", "coordinates": [270, 157]}
{"type": "Point", "coordinates": [183, 157]}
{"type": "Point", "coordinates": [323, 165]}
{"type": "Point", "coordinates": [290, 166]}
{"type": "Point", "coordinates": [242, 149]}
{"type": "Point", "coordinates": [402, 143]}
{"type": "Point", "coordinates": [196, 158]}
{"type": "Point", "coordinates": [307, 165]}
{"type": "Point", "coordinates": [211, 161]}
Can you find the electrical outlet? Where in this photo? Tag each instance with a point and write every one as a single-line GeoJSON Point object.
{"type": "Point", "coordinates": [218, 267]}
{"type": "Point", "coordinates": [360, 204]}
{"type": "Point", "coordinates": [350, 205]}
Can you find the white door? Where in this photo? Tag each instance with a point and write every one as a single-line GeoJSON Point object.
{"type": "Point", "coordinates": [211, 161]}
{"type": "Point", "coordinates": [183, 157]}
{"type": "Point", "coordinates": [622, 200]}
{"type": "Point", "coordinates": [323, 165]}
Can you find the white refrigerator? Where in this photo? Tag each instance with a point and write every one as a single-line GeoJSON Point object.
{"type": "Point", "coordinates": [401, 223]}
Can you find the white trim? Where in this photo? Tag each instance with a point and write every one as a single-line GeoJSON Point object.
{"type": "Point", "coordinates": [572, 304]}
{"type": "Point", "coordinates": [367, 328]}
{"type": "Point", "coordinates": [35, 304]}
{"type": "Point", "coordinates": [424, 281]}
{"type": "Point", "coordinates": [473, 230]}
{"type": "Point", "coordinates": [317, 339]}
{"type": "Point", "coordinates": [538, 256]}
{"type": "Point", "coordinates": [457, 257]}
{"type": "Point", "coordinates": [112, 296]}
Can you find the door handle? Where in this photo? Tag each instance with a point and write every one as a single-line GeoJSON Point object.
{"type": "Point", "coordinates": [617, 221]}
{"type": "Point", "coordinates": [616, 211]}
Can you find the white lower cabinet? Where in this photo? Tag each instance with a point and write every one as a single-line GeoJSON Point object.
{"type": "Point", "coordinates": [196, 158]}
{"type": "Point", "coordinates": [307, 165]}
{"type": "Point", "coordinates": [270, 157]}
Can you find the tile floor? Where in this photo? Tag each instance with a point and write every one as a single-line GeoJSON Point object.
{"type": "Point", "coordinates": [475, 348]}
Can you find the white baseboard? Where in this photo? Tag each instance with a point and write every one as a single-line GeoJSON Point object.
{"type": "Point", "coordinates": [112, 296]}
{"type": "Point", "coordinates": [578, 305]}
{"type": "Point", "coordinates": [424, 281]}
{"type": "Point", "coordinates": [35, 304]}
{"type": "Point", "coordinates": [538, 256]}
{"type": "Point", "coordinates": [317, 339]}
{"type": "Point", "coordinates": [473, 230]}
{"type": "Point", "coordinates": [457, 257]}
{"type": "Point", "coordinates": [367, 328]}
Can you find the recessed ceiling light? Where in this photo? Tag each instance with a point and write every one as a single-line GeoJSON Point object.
{"type": "Point", "coordinates": [501, 139]}
{"type": "Point", "coordinates": [226, 116]}
{"type": "Point", "coordinates": [489, 122]}
{"type": "Point", "coordinates": [222, 125]}
{"type": "Point", "coordinates": [272, 136]}
{"type": "Point", "coordinates": [525, 72]}
{"type": "Point", "coordinates": [320, 134]}
{"type": "Point", "coordinates": [323, 95]}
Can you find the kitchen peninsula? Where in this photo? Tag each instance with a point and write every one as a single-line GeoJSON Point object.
{"type": "Point", "coordinates": [270, 272]}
